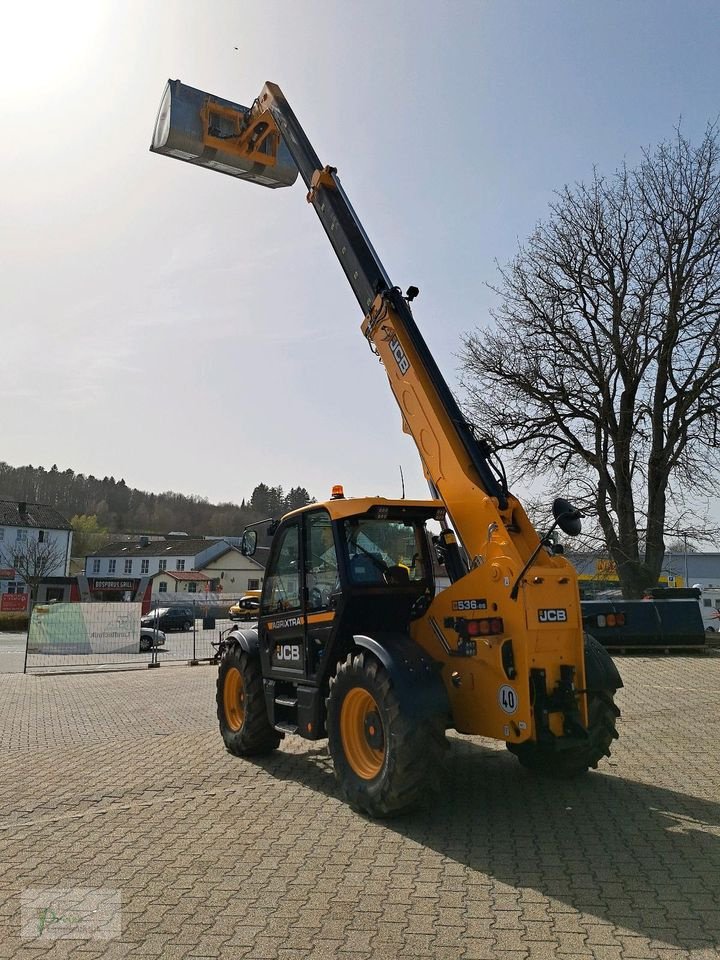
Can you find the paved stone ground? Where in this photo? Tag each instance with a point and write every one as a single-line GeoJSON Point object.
{"type": "Point", "coordinates": [120, 781]}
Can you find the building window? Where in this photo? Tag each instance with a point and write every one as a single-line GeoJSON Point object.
{"type": "Point", "coordinates": [21, 536]}
{"type": "Point", "coordinates": [41, 536]}
{"type": "Point", "coordinates": [253, 585]}
{"type": "Point", "coordinates": [111, 566]}
{"type": "Point", "coordinates": [16, 587]}
{"type": "Point", "coordinates": [145, 566]}
{"type": "Point", "coordinates": [128, 565]}
{"type": "Point", "coordinates": [192, 587]}
{"type": "Point", "coordinates": [707, 602]}
{"type": "Point", "coordinates": [180, 565]}
{"type": "Point", "coordinates": [96, 566]}
{"type": "Point", "coordinates": [162, 565]}
{"type": "Point", "coordinates": [162, 587]}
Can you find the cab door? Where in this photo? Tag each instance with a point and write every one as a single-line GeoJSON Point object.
{"type": "Point", "coordinates": [322, 587]}
{"type": "Point", "coordinates": [281, 621]}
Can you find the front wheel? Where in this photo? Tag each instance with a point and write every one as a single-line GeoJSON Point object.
{"type": "Point", "coordinates": [384, 760]}
{"type": "Point", "coordinates": [241, 711]}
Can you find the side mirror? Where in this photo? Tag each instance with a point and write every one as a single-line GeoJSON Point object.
{"type": "Point", "coordinates": [567, 517]}
{"type": "Point", "coordinates": [248, 544]}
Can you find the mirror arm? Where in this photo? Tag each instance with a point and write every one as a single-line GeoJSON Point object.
{"type": "Point", "coordinates": [536, 551]}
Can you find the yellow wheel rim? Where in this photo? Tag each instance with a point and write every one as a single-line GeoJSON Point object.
{"type": "Point", "coordinates": [362, 734]}
{"type": "Point", "coordinates": [234, 699]}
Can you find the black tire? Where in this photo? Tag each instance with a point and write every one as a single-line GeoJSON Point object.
{"type": "Point", "coordinates": [186, 626]}
{"type": "Point", "coordinates": [404, 755]}
{"type": "Point", "coordinates": [145, 644]}
{"type": "Point", "coordinates": [242, 715]}
{"type": "Point", "coordinates": [602, 715]}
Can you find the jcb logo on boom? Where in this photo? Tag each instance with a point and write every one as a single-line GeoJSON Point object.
{"type": "Point", "coordinates": [287, 651]}
{"type": "Point", "coordinates": [552, 616]}
{"type": "Point", "coordinates": [399, 354]}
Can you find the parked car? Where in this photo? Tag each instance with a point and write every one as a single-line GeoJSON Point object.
{"type": "Point", "coordinates": [150, 638]}
{"type": "Point", "coordinates": [246, 607]}
{"type": "Point", "coordinates": [170, 618]}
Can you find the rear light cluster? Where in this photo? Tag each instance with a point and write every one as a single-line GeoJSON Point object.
{"type": "Point", "coordinates": [611, 620]}
{"type": "Point", "coordinates": [484, 627]}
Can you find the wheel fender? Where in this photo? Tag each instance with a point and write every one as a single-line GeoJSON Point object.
{"type": "Point", "coordinates": [414, 675]}
{"type": "Point", "coordinates": [247, 640]}
{"type": "Point", "coordinates": [600, 670]}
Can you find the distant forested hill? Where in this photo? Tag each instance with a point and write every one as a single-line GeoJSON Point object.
{"type": "Point", "coordinates": [120, 508]}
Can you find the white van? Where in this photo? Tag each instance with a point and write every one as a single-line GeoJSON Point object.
{"type": "Point", "coordinates": [710, 608]}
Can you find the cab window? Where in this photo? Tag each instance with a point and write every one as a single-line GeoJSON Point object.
{"type": "Point", "coordinates": [321, 576]}
{"type": "Point", "coordinates": [281, 590]}
{"type": "Point", "coordinates": [385, 551]}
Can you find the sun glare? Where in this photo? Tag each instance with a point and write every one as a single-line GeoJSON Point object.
{"type": "Point", "coordinates": [45, 48]}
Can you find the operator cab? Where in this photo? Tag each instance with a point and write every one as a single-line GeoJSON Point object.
{"type": "Point", "coordinates": [342, 568]}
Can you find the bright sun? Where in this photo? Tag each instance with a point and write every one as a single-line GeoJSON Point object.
{"type": "Point", "coordinates": [46, 47]}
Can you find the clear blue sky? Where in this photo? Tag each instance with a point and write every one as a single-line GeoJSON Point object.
{"type": "Point", "coordinates": [187, 331]}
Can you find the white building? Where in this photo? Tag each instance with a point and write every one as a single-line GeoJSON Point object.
{"type": "Point", "coordinates": [145, 557]}
{"type": "Point", "coordinates": [226, 571]}
{"type": "Point", "coordinates": [34, 538]}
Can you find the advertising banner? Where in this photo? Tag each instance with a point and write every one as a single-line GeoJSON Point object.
{"type": "Point", "coordinates": [84, 628]}
{"type": "Point", "coordinates": [14, 602]}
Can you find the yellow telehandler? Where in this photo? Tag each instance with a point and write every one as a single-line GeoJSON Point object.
{"type": "Point", "coordinates": [353, 642]}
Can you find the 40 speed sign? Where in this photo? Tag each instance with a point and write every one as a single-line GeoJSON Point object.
{"type": "Point", "coordinates": [507, 698]}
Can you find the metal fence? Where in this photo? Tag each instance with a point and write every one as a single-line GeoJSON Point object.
{"type": "Point", "coordinates": [190, 636]}
{"type": "Point", "coordinates": [69, 637]}
{"type": "Point", "coordinates": [63, 636]}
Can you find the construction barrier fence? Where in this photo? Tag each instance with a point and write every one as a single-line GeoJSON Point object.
{"type": "Point", "coordinates": [67, 637]}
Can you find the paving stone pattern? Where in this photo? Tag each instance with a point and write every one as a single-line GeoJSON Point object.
{"type": "Point", "coordinates": [120, 781]}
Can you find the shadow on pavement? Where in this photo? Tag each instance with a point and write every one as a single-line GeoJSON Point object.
{"type": "Point", "coordinates": [641, 857]}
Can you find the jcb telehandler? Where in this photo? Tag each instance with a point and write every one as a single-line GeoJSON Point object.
{"type": "Point", "coordinates": [352, 642]}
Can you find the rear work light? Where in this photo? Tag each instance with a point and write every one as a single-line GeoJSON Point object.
{"type": "Point", "coordinates": [611, 620]}
{"type": "Point", "coordinates": [484, 627]}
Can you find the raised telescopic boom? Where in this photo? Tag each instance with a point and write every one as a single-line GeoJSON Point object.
{"type": "Point", "coordinates": [444, 438]}
{"type": "Point", "coordinates": [532, 592]}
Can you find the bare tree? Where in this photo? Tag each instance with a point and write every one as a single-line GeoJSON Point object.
{"type": "Point", "coordinates": [34, 560]}
{"type": "Point", "coordinates": [603, 368]}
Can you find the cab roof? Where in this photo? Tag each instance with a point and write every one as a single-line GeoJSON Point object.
{"type": "Point", "coordinates": [358, 506]}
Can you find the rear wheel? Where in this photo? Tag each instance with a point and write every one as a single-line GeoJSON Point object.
{"type": "Point", "coordinates": [602, 678]}
{"type": "Point", "coordinates": [383, 760]}
{"type": "Point", "coordinates": [566, 764]}
{"type": "Point", "coordinates": [241, 711]}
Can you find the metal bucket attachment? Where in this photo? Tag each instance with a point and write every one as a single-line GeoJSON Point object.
{"type": "Point", "coordinates": [203, 129]}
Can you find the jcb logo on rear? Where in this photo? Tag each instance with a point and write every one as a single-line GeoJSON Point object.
{"type": "Point", "coordinates": [552, 616]}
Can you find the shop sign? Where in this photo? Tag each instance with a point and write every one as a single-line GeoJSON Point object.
{"type": "Point", "coordinates": [7, 573]}
{"type": "Point", "coordinates": [113, 585]}
{"type": "Point", "coordinates": [14, 602]}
